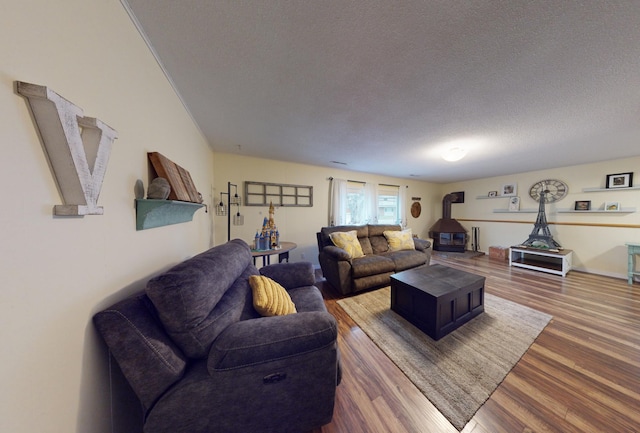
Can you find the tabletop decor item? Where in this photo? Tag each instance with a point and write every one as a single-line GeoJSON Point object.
{"type": "Point", "coordinates": [583, 205]}
{"type": "Point", "coordinates": [514, 204]}
{"type": "Point", "coordinates": [612, 206]}
{"type": "Point", "coordinates": [620, 180]}
{"type": "Point", "coordinates": [509, 189]}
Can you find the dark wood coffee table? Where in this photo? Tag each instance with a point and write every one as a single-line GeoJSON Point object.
{"type": "Point", "coordinates": [437, 299]}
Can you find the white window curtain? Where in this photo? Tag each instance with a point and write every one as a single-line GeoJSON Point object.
{"type": "Point", "coordinates": [402, 206]}
{"type": "Point", "coordinates": [338, 205]}
{"type": "Point", "coordinates": [370, 208]}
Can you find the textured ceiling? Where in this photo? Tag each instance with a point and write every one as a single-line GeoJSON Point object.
{"type": "Point", "coordinates": [386, 86]}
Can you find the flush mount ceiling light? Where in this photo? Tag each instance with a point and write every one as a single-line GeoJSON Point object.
{"type": "Point", "coordinates": [454, 154]}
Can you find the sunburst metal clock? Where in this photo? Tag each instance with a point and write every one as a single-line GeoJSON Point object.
{"type": "Point", "coordinates": [554, 190]}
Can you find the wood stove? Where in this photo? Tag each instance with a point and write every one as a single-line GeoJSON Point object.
{"type": "Point", "coordinates": [447, 233]}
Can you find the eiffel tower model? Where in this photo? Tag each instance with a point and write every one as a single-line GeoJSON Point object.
{"type": "Point", "coordinates": [540, 236]}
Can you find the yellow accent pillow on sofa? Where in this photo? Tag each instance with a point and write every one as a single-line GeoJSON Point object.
{"type": "Point", "coordinates": [269, 297]}
{"type": "Point", "coordinates": [399, 240]}
{"type": "Point", "coordinates": [349, 242]}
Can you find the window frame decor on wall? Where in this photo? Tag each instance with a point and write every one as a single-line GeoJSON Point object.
{"type": "Point", "coordinates": [619, 180]}
{"type": "Point", "coordinates": [280, 194]}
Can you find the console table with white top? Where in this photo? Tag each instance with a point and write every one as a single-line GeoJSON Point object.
{"type": "Point", "coordinates": [552, 262]}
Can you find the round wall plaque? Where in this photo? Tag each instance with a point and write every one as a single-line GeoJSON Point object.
{"type": "Point", "coordinates": [416, 209]}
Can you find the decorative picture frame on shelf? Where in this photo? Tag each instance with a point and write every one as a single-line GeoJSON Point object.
{"type": "Point", "coordinates": [509, 190]}
{"type": "Point", "coordinates": [493, 194]}
{"type": "Point", "coordinates": [612, 206]}
{"type": "Point", "coordinates": [514, 204]}
{"type": "Point", "coordinates": [582, 205]}
{"type": "Point", "coordinates": [458, 197]}
{"type": "Point", "coordinates": [620, 180]}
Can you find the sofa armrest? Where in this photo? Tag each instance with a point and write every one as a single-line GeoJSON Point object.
{"type": "Point", "coordinates": [290, 275]}
{"type": "Point", "coordinates": [148, 358]}
{"type": "Point", "coordinates": [336, 253]}
{"type": "Point", "coordinates": [421, 244]}
{"type": "Point", "coordinates": [257, 341]}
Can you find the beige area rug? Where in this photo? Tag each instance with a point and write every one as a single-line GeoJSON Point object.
{"type": "Point", "coordinates": [459, 372]}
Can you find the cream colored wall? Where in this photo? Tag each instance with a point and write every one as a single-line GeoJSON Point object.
{"type": "Point", "coordinates": [597, 239]}
{"type": "Point", "coordinates": [57, 272]}
{"type": "Point", "coordinates": [300, 224]}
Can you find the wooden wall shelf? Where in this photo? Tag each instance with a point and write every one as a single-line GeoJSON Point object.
{"type": "Point", "coordinates": [157, 213]}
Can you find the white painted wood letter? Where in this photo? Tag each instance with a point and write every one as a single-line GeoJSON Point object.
{"type": "Point", "coordinates": [78, 148]}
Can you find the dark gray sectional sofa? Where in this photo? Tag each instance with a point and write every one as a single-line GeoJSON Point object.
{"type": "Point", "coordinates": [378, 264]}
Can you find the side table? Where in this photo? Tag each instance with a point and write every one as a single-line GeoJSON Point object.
{"type": "Point", "coordinates": [282, 252]}
{"type": "Point", "coordinates": [632, 250]}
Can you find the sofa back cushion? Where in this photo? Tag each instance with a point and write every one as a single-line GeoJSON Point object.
{"type": "Point", "coordinates": [378, 241]}
{"type": "Point", "coordinates": [198, 298]}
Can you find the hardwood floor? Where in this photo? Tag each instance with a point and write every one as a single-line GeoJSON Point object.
{"type": "Point", "coordinates": [582, 374]}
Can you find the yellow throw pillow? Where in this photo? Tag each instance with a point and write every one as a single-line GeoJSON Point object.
{"type": "Point", "coordinates": [349, 242]}
{"type": "Point", "coordinates": [399, 240]}
{"type": "Point", "coordinates": [269, 297]}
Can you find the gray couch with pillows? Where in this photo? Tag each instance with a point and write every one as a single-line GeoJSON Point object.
{"type": "Point", "coordinates": [202, 359]}
{"type": "Point", "coordinates": [383, 250]}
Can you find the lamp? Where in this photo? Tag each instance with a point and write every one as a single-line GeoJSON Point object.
{"type": "Point", "coordinates": [454, 154]}
{"type": "Point", "coordinates": [222, 210]}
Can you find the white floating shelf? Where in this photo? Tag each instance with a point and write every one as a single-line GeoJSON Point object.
{"type": "Point", "coordinates": [515, 211]}
{"type": "Point", "coordinates": [608, 189]}
{"type": "Point", "coordinates": [480, 197]}
{"type": "Point", "coordinates": [623, 210]}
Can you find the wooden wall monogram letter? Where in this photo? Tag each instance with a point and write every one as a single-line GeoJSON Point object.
{"type": "Point", "coordinates": [77, 147]}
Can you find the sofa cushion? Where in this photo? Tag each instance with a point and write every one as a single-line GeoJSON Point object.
{"type": "Point", "coordinates": [399, 240]}
{"type": "Point", "coordinates": [348, 241]}
{"type": "Point", "coordinates": [371, 265]}
{"type": "Point", "coordinates": [406, 259]}
{"type": "Point", "coordinates": [269, 297]}
{"type": "Point", "coordinates": [379, 243]}
{"type": "Point", "coordinates": [201, 296]}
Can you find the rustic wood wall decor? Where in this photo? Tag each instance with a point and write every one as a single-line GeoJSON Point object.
{"type": "Point", "coordinates": [77, 147]}
{"type": "Point", "coordinates": [263, 194]}
{"type": "Point", "coordinates": [182, 186]}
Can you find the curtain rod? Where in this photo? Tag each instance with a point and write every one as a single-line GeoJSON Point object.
{"type": "Point", "coordinates": [360, 181]}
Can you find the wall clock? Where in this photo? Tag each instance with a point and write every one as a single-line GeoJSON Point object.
{"type": "Point", "coordinates": [554, 189]}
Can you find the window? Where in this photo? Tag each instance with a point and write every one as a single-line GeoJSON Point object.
{"type": "Point", "coordinates": [355, 203]}
{"type": "Point", "coordinates": [388, 200]}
